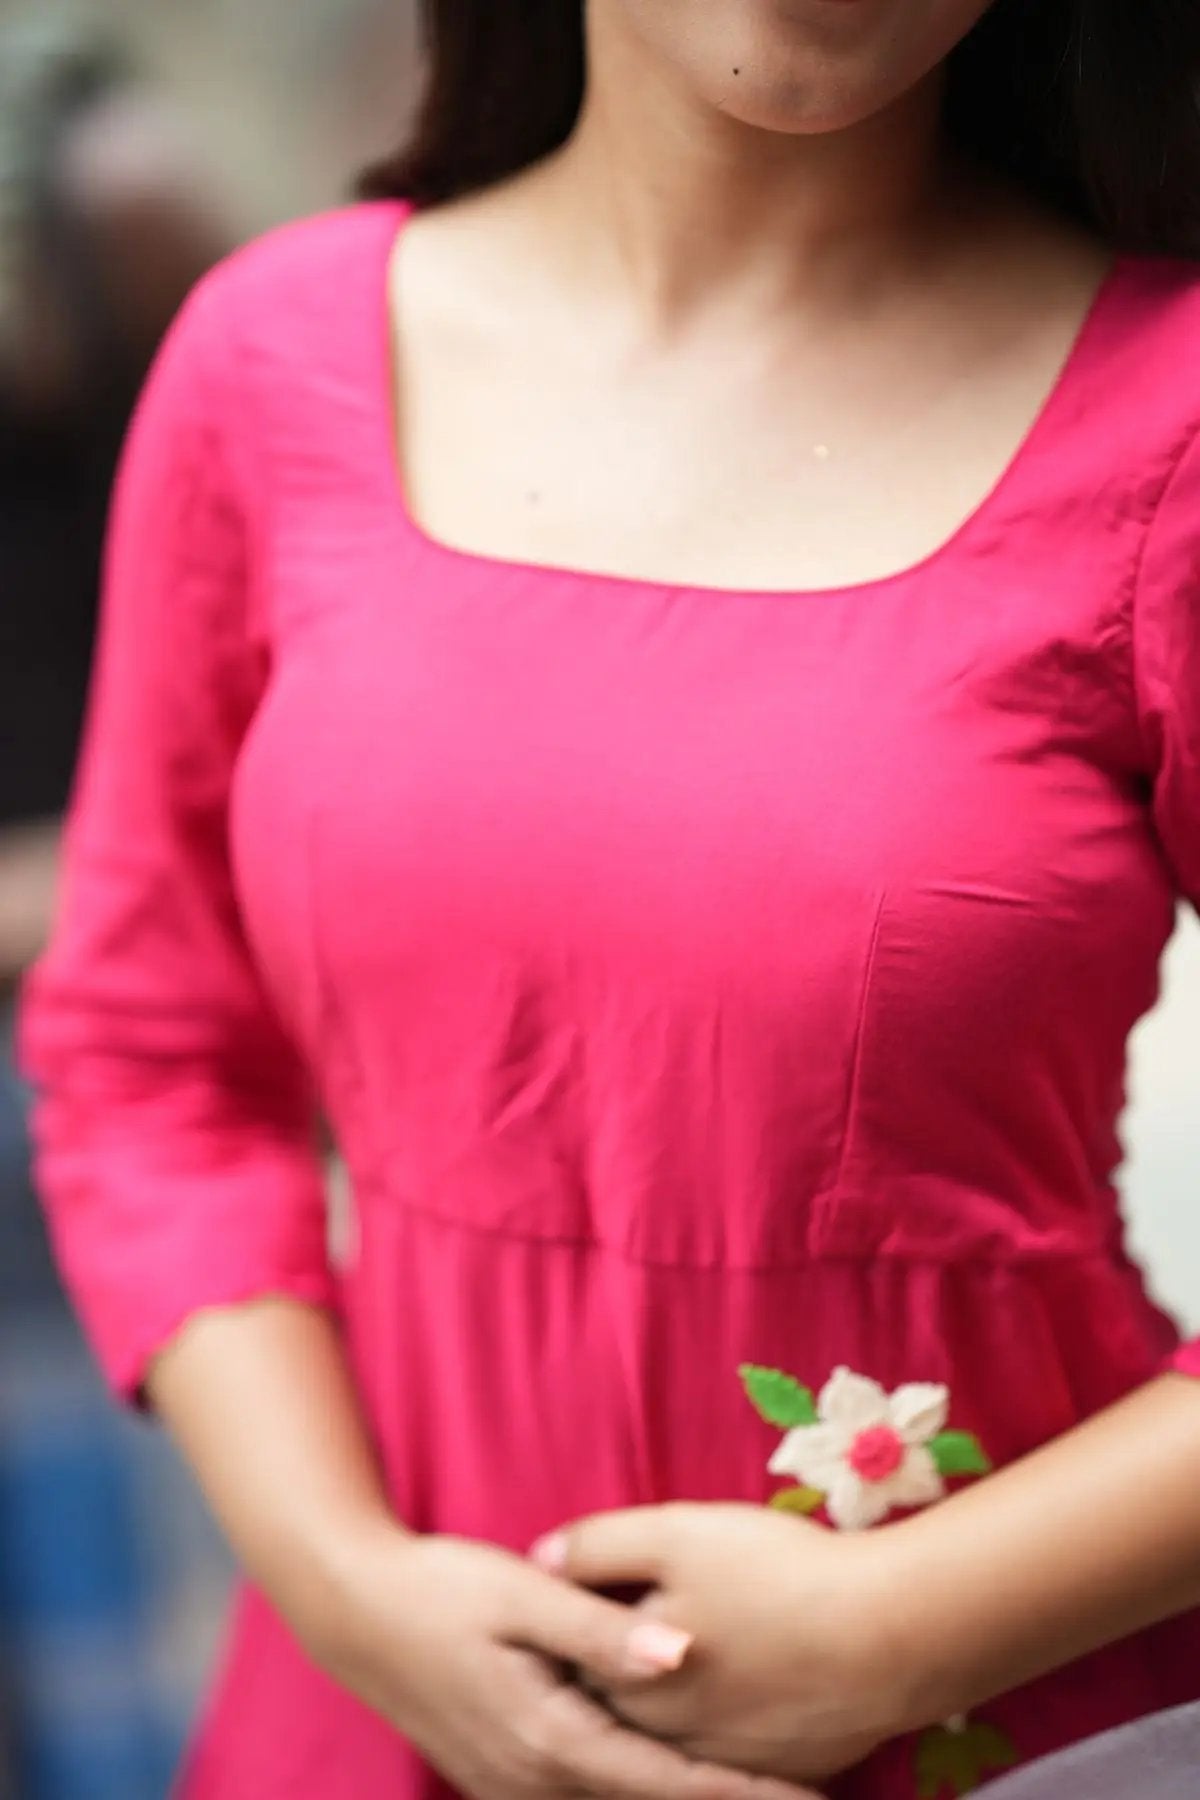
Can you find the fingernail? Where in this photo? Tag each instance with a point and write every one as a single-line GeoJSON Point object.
{"type": "Point", "coordinates": [550, 1553]}
{"type": "Point", "coordinates": [657, 1649]}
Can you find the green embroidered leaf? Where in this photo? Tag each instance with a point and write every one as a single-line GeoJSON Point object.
{"type": "Point", "coordinates": [966, 1775]}
{"type": "Point", "coordinates": [994, 1749]}
{"type": "Point", "coordinates": [778, 1398]}
{"type": "Point", "coordinates": [960, 1453]}
{"type": "Point", "coordinates": [929, 1787]}
{"type": "Point", "coordinates": [803, 1500]}
{"type": "Point", "coordinates": [935, 1764]}
{"type": "Point", "coordinates": [959, 1762]}
{"type": "Point", "coordinates": [961, 1768]}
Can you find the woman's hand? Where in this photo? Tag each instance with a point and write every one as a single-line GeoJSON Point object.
{"type": "Point", "coordinates": [792, 1670]}
{"type": "Point", "coordinates": [466, 1650]}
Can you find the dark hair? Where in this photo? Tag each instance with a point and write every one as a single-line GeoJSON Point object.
{"type": "Point", "coordinates": [1091, 105]}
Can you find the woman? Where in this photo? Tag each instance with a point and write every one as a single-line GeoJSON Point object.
{"type": "Point", "coordinates": [660, 690]}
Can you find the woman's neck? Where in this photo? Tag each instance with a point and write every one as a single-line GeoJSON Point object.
{"type": "Point", "coordinates": [696, 210]}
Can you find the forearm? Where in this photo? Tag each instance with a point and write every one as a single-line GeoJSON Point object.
{"type": "Point", "coordinates": [1085, 1542]}
{"type": "Point", "coordinates": [29, 856]}
{"type": "Point", "coordinates": [261, 1403]}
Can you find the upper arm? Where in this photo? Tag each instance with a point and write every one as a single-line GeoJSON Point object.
{"type": "Point", "coordinates": [176, 1119]}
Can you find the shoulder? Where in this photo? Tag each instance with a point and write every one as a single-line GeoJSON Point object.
{"type": "Point", "coordinates": [1162, 289]}
{"type": "Point", "coordinates": [290, 260]}
{"type": "Point", "coordinates": [1155, 370]}
{"type": "Point", "coordinates": [1146, 334]}
{"type": "Point", "coordinates": [282, 293]}
{"type": "Point", "coordinates": [1126, 409]}
{"type": "Point", "coordinates": [289, 316]}
{"type": "Point", "coordinates": [1161, 397]}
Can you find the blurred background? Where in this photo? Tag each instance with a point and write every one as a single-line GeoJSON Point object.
{"type": "Point", "coordinates": [139, 140]}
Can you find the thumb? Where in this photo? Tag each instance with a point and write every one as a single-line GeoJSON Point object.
{"type": "Point", "coordinates": [612, 1643]}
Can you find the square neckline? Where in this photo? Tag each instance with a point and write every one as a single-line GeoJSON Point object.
{"type": "Point", "coordinates": [384, 384]}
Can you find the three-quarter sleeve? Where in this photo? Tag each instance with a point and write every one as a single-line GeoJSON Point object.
{"type": "Point", "coordinates": [1167, 664]}
{"type": "Point", "coordinates": [174, 1120]}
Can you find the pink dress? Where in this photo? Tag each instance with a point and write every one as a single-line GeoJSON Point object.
{"type": "Point", "coordinates": [691, 978]}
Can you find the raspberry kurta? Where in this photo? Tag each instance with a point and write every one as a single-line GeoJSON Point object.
{"type": "Point", "coordinates": [690, 978]}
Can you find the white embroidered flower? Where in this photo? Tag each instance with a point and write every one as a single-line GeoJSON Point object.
{"type": "Point", "coordinates": [868, 1453]}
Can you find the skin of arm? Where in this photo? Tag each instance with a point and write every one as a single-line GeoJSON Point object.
{"type": "Point", "coordinates": [1087, 1541]}
{"type": "Point", "coordinates": [29, 855]}
{"type": "Point", "coordinates": [273, 1375]}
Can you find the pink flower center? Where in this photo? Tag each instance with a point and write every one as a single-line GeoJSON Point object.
{"type": "Point", "coordinates": [876, 1454]}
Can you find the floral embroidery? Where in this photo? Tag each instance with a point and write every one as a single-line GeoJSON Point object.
{"type": "Point", "coordinates": [864, 1451]}
{"type": "Point", "coordinates": [957, 1758]}
{"type": "Point", "coordinates": [860, 1453]}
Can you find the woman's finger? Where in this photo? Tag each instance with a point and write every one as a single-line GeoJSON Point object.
{"type": "Point", "coordinates": [607, 1549]}
{"type": "Point", "coordinates": [613, 1643]}
{"type": "Point", "coordinates": [601, 1757]}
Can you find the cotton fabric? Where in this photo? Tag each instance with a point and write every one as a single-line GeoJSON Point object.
{"type": "Point", "coordinates": [690, 978]}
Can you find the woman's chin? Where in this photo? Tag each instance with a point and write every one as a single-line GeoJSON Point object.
{"type": "Point", "coordinates": [791, 108]}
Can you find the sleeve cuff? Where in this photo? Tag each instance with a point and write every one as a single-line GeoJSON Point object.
{"type": "Point", "coordinates": [126, 1356]}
